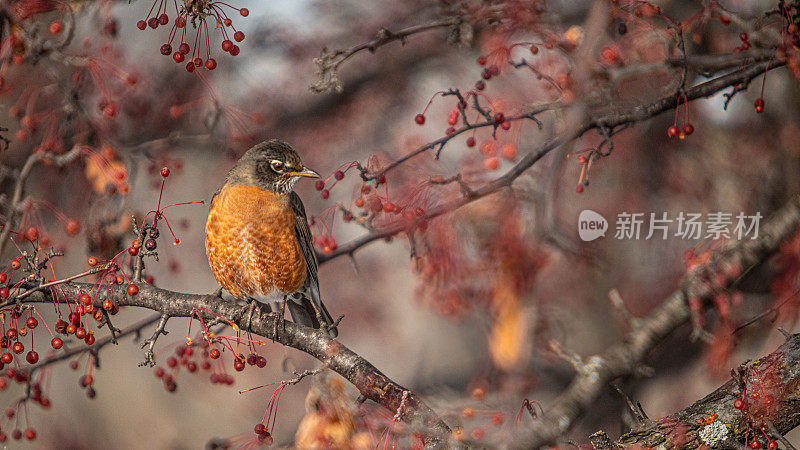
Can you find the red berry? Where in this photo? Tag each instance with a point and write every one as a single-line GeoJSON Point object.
{"type": "Point", "coordinates": [319, 185]}
{"type": "Point", "coordinates": [3, 277]}
{"type": "Point", "coordinates": [772, 445]}
{"type": "Point", "coordinates": [55, 27]}
{"type": "Point", "coordinates": [481, 60]}
{"type": "Point", "coordinates": [178, 57]}
{"type": "Point", "coordinates": [133, 251]}
{"type": "Point", "coordinates": [89, 339]}
{"type": "Point", "coordinates": [744, 37]}
{"type": "Point", "coordinates": [259, 428]}
{"type": "Point", "coordinates": [57, 343]}
{"type": "Point", "coordinates": [166, 49]}
{"type": "Point", "coordinates": [450, 131]}
{"type": "Point", "coordinates": [32, 234]}
{"type": "Point", "coordinates": [18, 347]}
{"type": "Point", "coordinates": [688, 129]}
{"type": "Point", "coordinates": [755, 445]}
{"type": "Point", "coordinates": [32, 357]}
{"type": "Point", "coordinates": [132, 289]}
{"type": "Point", "coordinates": [738, 403]}
{"type": "Point", "coordinates": [211, 64]}
{"type": "Point", "coordinates": [141, 24]}
{"type": "Point", "coordinates": [180, 22]}
{"type": "Point", "coordinates": [30, 434]}
{"type": "Point", "coordinates": [163, 19]}
{"type": "Point", "coordinates": [579, 189]}
{"type": "Point", "coordinates": [486, 74]}
{"type": "Point", "coordinates": [420, 119]}
{"type": "Point", "coordinates": [338, 174]}
{"type": "Point", "coordinates": [4, 292]}
{"type": "Point", "coordinates": [235, 50]}
{"type": "Point", "coordinates": [92, 261]}
{"type": "Point", "coordinates": [190, 67]}
{"type": "Point", "coordinates": [7, 358]}
{"type": "Point", "coordinates": [471, 142]}
{"type": "Point", "coordinates": [759, 105]}
{"type": "Point", "coordinates": [153, 23]}
{"type": "Point", "coordinates": [238, 365]}
{"type": "Point", "coordinates": [31, 322]}
{"type": "Point", "coordinates": [72, 227]}
{"type": "Point", "coordinates": [499, 118]}
{"type": "Point", "coordinates": [213, 354]}
{"type": "Point", "coordinates": [15, 264]}
{"type": "Point", "coordinates": [80, 332]}
{"type": "Point", "coordinates": [227, 45]}
{"type": "Point", "coordinates": [673, 131]}
{"type": "Point", "coordinates": [725, 20]}
{"type": "Point", "coordinates": [325, 194]}
{"type": "Point", "coordinates": [184, 48]}
{"type": "Point", "coordinates": [244, 12]}
{"type": "Point", "coordinates": [238, 36]}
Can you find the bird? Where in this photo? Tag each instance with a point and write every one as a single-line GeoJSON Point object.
{"type": "Point", "coordinates": [258, 240]}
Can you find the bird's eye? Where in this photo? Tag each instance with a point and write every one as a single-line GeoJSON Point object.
{"type": "Point", "coordinates": [277, 166]}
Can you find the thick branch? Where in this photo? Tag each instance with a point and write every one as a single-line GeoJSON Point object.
{"type": "Point", "coordinates": [370, 382]}
{"type": "Point", "coordinates": [778, 377]}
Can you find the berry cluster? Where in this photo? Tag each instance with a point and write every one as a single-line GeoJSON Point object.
{"type": "Point", "coordinates": [192, 358]}
{"type": "Point", "coordinates": [758, 399]}
{"type": "Point", "coordinates": [687, 128]}
{"type": "Point", "coordinates": [199, 13]}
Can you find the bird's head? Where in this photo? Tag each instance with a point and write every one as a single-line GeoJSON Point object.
{"type": "Point", "coordinates": [272, 165]}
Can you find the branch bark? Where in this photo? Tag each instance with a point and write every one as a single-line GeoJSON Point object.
{"type": "Point", "coordinates": [370, 382]}
{"type": "Point", "coordinates": [688, 427]}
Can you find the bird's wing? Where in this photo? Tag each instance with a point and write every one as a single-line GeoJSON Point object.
{"type": "Point", "coordinates": [304, 311]}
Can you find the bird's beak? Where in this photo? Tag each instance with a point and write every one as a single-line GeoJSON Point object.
{"type": "Point", "coordinates": [306, 172]}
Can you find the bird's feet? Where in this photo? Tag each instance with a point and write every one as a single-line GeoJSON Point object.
{"type": "Point", "coordinates": [250, 309]}
{"type": "Point", "coordinates": [280, 319]}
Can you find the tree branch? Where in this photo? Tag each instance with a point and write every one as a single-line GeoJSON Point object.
{"type": "Point", "coordinates": [369, 381]}
{"type": "Point", "coordinates": [607, 121]}
{"type": "Point", "coordinates": [624, 358]}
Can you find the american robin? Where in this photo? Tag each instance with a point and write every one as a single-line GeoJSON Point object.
{"type": "Point", "coordinates": [258, 241]}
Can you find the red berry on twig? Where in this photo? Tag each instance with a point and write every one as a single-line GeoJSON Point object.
{"type": "Point", "coordinates": [759, 104]}
{"type": "Point", "coordinates": [673, 131]}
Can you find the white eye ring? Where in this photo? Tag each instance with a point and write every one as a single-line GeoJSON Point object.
{"type": "Point", "coordinates": [276, 165]}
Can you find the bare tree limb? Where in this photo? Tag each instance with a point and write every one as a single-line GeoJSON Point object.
{"type": "Point", "coordinates": [370, 381]}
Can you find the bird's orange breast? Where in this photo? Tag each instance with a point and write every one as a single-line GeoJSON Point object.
{"type": "Point", "coordinates": [251, 243]}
